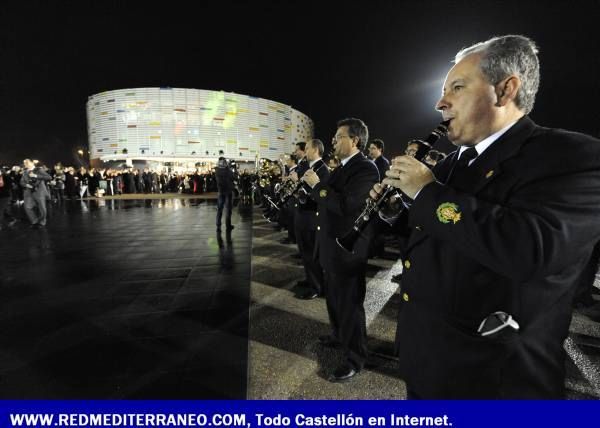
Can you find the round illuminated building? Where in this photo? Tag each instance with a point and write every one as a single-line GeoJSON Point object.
{"type": "Point", "coordinates": [182, 127]}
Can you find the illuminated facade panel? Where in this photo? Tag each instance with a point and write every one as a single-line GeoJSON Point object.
{"type": "Point", "coordinates": [169, 123]}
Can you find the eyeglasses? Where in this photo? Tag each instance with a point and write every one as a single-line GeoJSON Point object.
{"type": "Point", "coordinates": [339, 137]}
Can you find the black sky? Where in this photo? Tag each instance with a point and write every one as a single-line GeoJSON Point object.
{"type": "Point", "coordinates": [382, 61]}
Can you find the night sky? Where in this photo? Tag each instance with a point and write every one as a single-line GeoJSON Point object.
{"type": "Point", "coordinates": [381, 61]}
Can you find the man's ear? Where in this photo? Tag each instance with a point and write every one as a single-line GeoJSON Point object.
{"type": "Point", "coordinates": [507, 89]}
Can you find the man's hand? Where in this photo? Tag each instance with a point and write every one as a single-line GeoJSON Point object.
{"type": "Point", "coordinates": [376, 191]}
{"type": "Point", "coordinates": [311, 178]}
{"type": "Point", "coordinates": [408, 175]}
{"type": "Point", "coordinates": [294, 176]}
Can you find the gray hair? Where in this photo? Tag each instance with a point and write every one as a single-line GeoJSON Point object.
{"type": "Point", "coordinates": [506, 55]}
{"type": "Point", "coordinates": [317, 144]}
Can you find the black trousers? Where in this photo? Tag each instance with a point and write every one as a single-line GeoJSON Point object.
{"type": "Point", "coordinates": [225, 201]}
{"type": "Point", "coordinates": [306, 239]}
{"type": "Point", "coordinates": [345, 296]}
{"type": "Point", "coordinates": [35, 206]}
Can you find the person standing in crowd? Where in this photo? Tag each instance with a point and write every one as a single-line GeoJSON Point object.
{"type": "Point", "coordinates": [305, 224]}
{"type": "Point", "coordinates": [70, 183]}
{"type": "Point", "coordinates": [340, 200]}
{"type": "Point", "coordinates": [146, 180]}
{"type": "Point", "coordinates": [93, 182]}
{"type": "Point", "coordinates": [376, 154]}
{"type": "Point", "coordinates": [501, 230]}
{"type": "Point", "coordinates": [35, 193]}
{"type": "Point", "coordinates": [224, 176]}
{"type": "Point", "coordinates": [82, 181]}
{"type": "Point", "coordinates": [59, 182]}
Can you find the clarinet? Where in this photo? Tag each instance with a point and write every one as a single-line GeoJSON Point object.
{"type": "Point", "coordinates": [373, 206]}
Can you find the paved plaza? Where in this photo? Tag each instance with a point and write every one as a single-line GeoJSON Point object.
{"type": "Point", "coordinates": [143, 299]}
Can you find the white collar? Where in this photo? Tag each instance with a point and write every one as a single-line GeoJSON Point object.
{"type": "Point", "coordinates": [486, 142]}
{"type": "Point", "coordinates": [311, 163]}
{"type": "Point", "coordinates": [345, 161]}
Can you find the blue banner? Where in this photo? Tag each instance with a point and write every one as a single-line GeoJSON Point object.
{"type": "Point", "coordinates": [260, 414]}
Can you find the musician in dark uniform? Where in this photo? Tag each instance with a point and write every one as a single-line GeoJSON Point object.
{"type": "Point", "coordinates": [305, 223]}
{"type": "Point", "coordinates": [501, 231]}
{"type": "Point", "coordinates": [290, 210]}
{"type": "Point", "coordinates": [286, 215]}
{"type": "Point", "coordinates": [376, 148]}
{"type": "Point", "coordinates": [376, 154]}
{"type": "Point", "coordinates": [340, 200]}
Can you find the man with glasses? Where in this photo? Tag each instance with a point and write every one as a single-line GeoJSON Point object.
{"type": "Point", "coordinates": [501, 230]}
{"type": "Point", "coordinates": [340, 200]}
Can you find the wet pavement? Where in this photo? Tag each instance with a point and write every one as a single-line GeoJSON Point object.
{"type": "Point", "coordinates": [126, 299]}
{"type": "Point", "coordinates": [143, 299]}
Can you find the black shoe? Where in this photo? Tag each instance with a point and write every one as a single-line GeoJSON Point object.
{"type": "Point", "coordinates": [329, 341]}
{"type": "Point", "coordinates": [308, 295]}
{"type": "Point", "coordinates": [343, 373]}
{"type": "Point", "coordinates": [302, 284]}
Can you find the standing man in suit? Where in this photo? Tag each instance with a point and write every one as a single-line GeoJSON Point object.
{"type": "Point", "coordinates": [305, 223]}
{"type": "Point", "coordinates": [224, 176]}
{"type": "Point", "coordinates": [340, 200]}
{"type": "Point", "coordinates": [33, 183]}
{"type": "Point", "coordinates": [501, 230]}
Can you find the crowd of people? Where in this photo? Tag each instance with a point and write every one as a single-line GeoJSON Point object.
{"type": "Point", "coordinates": [33, 185]}
{"type": "Point", "coordinates": [72, 183]}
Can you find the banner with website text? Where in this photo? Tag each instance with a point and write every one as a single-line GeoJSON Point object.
{"type": "Point", "coordinates": [276, 414]}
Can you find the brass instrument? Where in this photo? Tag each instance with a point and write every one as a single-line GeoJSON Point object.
{"type": "Point", "coordinates": [267, 173]}
{"type": "Point", "coordinates": [287, 190]}
{"type": "Point", "coordinates": [373, 206]}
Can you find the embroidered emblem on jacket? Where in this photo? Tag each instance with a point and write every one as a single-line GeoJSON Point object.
{"type": "Point", "coordinates": [448, 212]}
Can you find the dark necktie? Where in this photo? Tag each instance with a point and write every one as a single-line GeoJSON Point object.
{"type": "Point", "coordinates": [466, 157]}
{"type": "Point", "coordinates": [462, 163]}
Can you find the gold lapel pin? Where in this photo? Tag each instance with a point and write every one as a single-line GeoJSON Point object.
{"type": "Point", "coordinates": [490, 173]}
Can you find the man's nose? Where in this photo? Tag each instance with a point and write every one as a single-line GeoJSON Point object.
{"type": "Point", "coordinates": [442, 104]}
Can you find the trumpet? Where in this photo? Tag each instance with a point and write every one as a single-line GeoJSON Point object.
{"type": "Point", "coordinates": [373, 206]}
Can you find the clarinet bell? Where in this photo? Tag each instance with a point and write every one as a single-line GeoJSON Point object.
{"type": "Point", "coordinates": [347, 241]}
